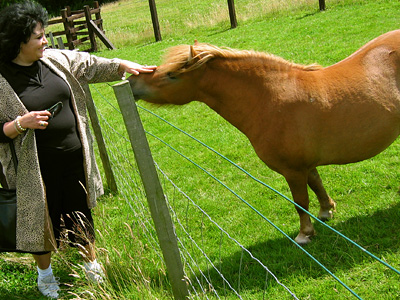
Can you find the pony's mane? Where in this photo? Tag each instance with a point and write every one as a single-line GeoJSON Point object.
{"type": "Point", "coordinates": [176, 59]}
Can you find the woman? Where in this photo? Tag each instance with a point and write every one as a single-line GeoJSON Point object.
{"type": "Point", "coordinates": [57, 174]}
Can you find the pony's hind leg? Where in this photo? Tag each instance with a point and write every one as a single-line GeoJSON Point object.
{"type": "Point", "coordinates": [327, 205]}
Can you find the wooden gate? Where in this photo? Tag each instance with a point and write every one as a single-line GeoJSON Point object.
{"type": "Point", "coordinates": [79, 27]}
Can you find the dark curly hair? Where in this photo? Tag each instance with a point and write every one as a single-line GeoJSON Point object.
{"type": "Point", "coordinates": [17, 23]}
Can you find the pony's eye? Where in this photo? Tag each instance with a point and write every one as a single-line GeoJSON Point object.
{"type": "Point", "coordinates": [172, 75]}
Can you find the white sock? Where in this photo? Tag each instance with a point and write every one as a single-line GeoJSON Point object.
{"type": "Point", "coordinates": [89, 265]}
{"type": "Point", "coordinates": [44, 273]}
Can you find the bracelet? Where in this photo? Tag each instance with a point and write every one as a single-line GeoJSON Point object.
{"type": "Point", "coordinates": [16, 128]}
{"type": "Point", "coordinates": [20, 128]}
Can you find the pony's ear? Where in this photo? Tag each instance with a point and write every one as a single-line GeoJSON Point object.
{"type": "Point", "coordinates": [192, 53]}
{"type": "Point", "coordinates": [193, 57]}
{"type": "Point", "coordinates": [196, 42]}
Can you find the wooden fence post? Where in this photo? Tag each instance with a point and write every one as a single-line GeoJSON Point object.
{"type": "Point", "coordinates": [100, 140]}
{"type": "Point", "coordinates": [232, 13]}
{"type": "Point", "coordinates": [92, 37]}
{"type": "Point", "coordinates": [154, 19]}
{"type": "Point", "coordinates": [98, 15]}
{"type": "Point", "coordinates": [71, 24]}
{"type": "Point", "coordinates": [154, 192]}
{"type": "Point", "coordinates": [67, 28]}
{"type": "Point", "coordinates": [60, 43]}
{"type": "Point", "coordinates": [51, 39]}
{"type": "Point", "coordinates": [321, 5]}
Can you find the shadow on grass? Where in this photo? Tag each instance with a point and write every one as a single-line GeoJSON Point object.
{"type": "Point", "coordinates": [309, 15]}
{"type": "Point", "coordinates": [377, 233]}
{"type": "Point", "coordinates": [31, 294]}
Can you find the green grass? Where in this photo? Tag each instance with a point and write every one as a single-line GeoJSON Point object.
{"type": "Point", "coordinates": [366, 193]}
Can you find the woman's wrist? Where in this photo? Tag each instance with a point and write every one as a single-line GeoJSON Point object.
{"type": "Point", "coordinates": [11, 130]}
{"type": "Point", "coordinates": [122, 69]}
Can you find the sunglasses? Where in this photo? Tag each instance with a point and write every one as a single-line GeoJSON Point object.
{"type": "Point", "coordinates": [55, 109]}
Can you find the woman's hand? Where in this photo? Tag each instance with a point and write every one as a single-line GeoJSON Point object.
{"type": "Point", "coordinates": [31, 120]}
{"type": "Point", "coordinates": [35, 119]}
{"type": "Point", "coordinates": [135, 68]}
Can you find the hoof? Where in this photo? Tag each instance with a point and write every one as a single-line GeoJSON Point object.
{"type": "Point", "coordinates": [325, 215]}
{"type": "Point", "coordinates": [303, 239]}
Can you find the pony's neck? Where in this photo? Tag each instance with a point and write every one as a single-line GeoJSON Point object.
{"type": "Point", "coordinates": [236, 88]}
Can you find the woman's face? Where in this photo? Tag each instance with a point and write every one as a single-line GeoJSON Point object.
{"type": "Point", "coordinates": [33, 49]}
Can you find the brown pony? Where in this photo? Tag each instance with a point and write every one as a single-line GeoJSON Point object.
{"type": "Point", "coordinates": [296, 117]}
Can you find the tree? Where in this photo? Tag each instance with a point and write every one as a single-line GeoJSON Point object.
{"type": "Point", "coordinates": [54, 7]}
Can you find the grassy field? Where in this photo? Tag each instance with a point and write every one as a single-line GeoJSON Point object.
{"type": "Point", "coordinates": [367, 193]}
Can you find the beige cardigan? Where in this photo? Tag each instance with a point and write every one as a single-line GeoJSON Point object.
{"type": "Point", "coordinates": [34, 230]}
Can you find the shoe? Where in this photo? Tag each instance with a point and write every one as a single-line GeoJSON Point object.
{"type": "Point", "coordinates": [49, 286]}
{"type": "Point", "coordinates": [94, 272]}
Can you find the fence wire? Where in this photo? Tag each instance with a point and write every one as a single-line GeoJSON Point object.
{"type": "Point", "coordinates": [204, 267]}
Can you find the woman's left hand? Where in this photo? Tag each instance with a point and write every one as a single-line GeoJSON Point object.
{"type": "Point", "coordinates": [135, 68]}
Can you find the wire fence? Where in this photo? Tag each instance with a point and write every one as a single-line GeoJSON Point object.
{"type": "Point", "coordinates": [210, 272]}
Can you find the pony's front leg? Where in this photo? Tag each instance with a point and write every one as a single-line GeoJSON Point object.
{"type": "Point", "coordinates": [298, 186]}
{"type": "Point", "coordinates": [327, 205]}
